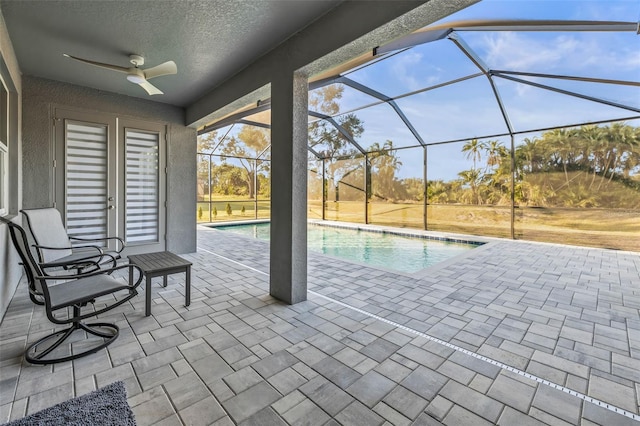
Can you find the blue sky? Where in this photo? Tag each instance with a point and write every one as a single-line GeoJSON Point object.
{"type": "Point", "coordinates": [468, 109]}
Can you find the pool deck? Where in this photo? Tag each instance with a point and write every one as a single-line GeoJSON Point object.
{"type": "Point", "coordinates": [513, 333]}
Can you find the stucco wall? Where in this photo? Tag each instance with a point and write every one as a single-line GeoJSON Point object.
{"type": "Point", "coordinates": [10, 271]}
{"type": "Point", "coordinates": [40, 95]}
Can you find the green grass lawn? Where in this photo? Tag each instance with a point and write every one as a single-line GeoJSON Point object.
{"type": "Point", "coordinates": [220, 213]}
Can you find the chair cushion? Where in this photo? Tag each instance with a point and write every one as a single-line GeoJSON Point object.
{"type": "Point", "coordinates": [83, 290]}
{"type": "Point", "coordinates": [48, 230]}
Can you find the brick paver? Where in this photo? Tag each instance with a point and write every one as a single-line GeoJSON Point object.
{"type": "Point", "coordinates": [565, 314]}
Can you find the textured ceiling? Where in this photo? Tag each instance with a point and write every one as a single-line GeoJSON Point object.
{"type": "Point", "coordinates": [209, 40]}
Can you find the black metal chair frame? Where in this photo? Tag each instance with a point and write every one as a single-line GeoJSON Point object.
{"type": "Point", "coordinates": [91, 255]}
{"type": "Point", "coordinates": [75, 292]}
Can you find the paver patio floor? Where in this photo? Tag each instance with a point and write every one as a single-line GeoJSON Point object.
{"type": "Point", "coordinates": [512, 333]}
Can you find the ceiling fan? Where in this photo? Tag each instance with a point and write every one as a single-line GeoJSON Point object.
{"type": "Point", "coordinates": [136, 74]}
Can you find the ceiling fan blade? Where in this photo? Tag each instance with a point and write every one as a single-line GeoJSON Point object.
{"type": "Point", "coordinates": [99, 64]}
{"type": "Point", "coordinates": [150, 88]}
{"type": "Point", "coordinates": [166, 68]}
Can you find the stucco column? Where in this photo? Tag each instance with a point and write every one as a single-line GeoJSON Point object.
{"type": "Point", "coordinates": [289, 133]}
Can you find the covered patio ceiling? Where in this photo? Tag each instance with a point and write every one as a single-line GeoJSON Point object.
{"type": "Point", "coordinates": [209, 40]}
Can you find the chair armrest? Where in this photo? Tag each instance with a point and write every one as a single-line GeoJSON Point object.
{"type": "Point", "coordinates": [111, 259]}
{"type": "Point", "coordinates": [69, 248]}
{"type": "Point", "coordinates": [120, 240]}
{"type": "Point", "coordinates": [90, 257]}
{"type": "Point", "coordinates": [93, 273]}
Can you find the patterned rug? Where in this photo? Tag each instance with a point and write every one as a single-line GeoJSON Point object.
{"type": "Point", "coordinates": [105, 406]}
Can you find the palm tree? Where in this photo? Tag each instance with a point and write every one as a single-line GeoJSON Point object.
{"type": "Point", "coordinates": [384, 159]}
{"type": "Point", "coordinates": [472, 178]}
{"type": "Point", "coordinates": [533, 195]}
{"type": "Point", "coordinates": [593, 143]}
{"type": "Point", "coordinates": [632, 156]}
{"type": "Point", "coordinates": [530, 152]}
{"type": "Point", "coordinates": [560, 139]}
{"type": "Point", "coordinates": [474, 149]}
{"type": "Point", "coordinates": [622, 139]}
{"type": "Point", "coordinates": [495, 153]}
{"type": "Point", "coordinates": [437, 192]}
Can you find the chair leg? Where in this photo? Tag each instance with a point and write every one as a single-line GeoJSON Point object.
{"type": "Point", "coordinates": [34, 357]}
{"type": "Point", "coordinates": [89, 328]}
{"type": "Point", "coordinates": [37, 299]}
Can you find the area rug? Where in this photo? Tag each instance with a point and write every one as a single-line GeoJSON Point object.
{"type": "Point", "coordinates": [105, 406]}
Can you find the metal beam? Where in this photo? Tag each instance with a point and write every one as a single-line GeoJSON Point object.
{"type": "Point", "coordinates": [475, 58]}
{"type": "Point", "coordinates": [262, 106]}
{"type": "Point", "coordinates": [340, 129]}
{"type": "Point", "coordinates": [371, 92]}
{"type": "Point", "coordinates": [254, 123]}
{"type": "Point", "coordinates": [413, 39]}
{"type": "Point", "coordinates": [426, 89]}
{"type": "Point", "coordinates": [263, 151]}
{"type": "Point", "coordinates": [569, 77]}
{"type": "Point", "coordinates": [222, 139]}
{"type": "Point", "coordinates": [569, 93]}
{"type": "Point", "coordinates": [439, 32]}
{"type": "Point", "coordinates": [323, 82]}
{"type": "Point", "coordinates": [439, 85]}
{"type": "Point", "coordinates": [364, 89]}
{"type": "Point", "coordinates": [543, 25]}
{"type": "Point", "coordinates": [425, 188]}
{"type": "Point", "coordinates": [367, 186]}
{"type": "Point", "coordinates": [469, 53]}
{"type": "Point", "coordinates": [311, 150]}
{"type": "Point", "coordinates": [406, 121]}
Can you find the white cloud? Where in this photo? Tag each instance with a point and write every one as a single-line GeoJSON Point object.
{"type": "Point", "coordinates": [403, 69]}
{"type": "Point", "coordinates": [509, 50]}
{"type": "Point", "coordinates": [581, 52]}
{"type": "Point", "coordinates": [414, 71]}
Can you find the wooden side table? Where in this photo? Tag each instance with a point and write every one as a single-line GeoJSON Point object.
{"type": "Point", "coordinates": [161, 264]}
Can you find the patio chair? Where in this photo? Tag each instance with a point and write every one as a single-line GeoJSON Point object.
{"type": "Point", "coordinates": [54, 246]}
{"type": "Point", "coordinates": [65, 297]}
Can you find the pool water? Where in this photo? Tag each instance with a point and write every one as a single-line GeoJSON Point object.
{"type": "Point", "coordinates": [400, 253]}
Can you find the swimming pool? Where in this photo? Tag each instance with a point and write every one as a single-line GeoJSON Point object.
{"type": "Point", "coordinates": [389, 251]}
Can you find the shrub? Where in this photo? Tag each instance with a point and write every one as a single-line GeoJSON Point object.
{"type": "Point", "coordinates": [215, 212]}
{"type": "Point", "coordinates": [242, 211]}
{"type": "Point", "coordinates": [229, 211]}
{"type": "Point", "coordinates": [200, 213]}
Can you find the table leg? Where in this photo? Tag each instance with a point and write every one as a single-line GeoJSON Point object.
{"type": "Point", "coordinates": [164, 281]}
{"type": "Point", "coordinates": [187, 292]}
{"type": "Point", "coordinates": [147, 295]}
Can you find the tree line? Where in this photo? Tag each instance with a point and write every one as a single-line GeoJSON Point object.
{"type": "Point", "coordinates": [587, 166]}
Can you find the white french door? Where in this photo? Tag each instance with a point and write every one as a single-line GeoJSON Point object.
{"type": "Point", "coordinates": [109, 178]}
{"type": "Point", "coordinates": [141, 175]}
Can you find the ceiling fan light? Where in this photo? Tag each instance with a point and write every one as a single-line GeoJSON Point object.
{"type": "Point", "coordinates": [135, 78]}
